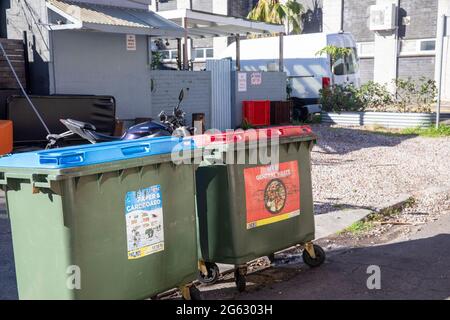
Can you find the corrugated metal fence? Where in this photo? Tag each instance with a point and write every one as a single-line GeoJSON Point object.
{"type": "Point", "coordinates": [385, 119]}
{"type": "Point", "coordinates": [221, 93]}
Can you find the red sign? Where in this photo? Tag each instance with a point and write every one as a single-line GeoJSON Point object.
{"type": "Point", "coordinates": [272, 193]}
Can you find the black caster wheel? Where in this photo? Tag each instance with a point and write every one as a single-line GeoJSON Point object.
{"type": "Point", "coordinates": [194, 294]}
{"type": "Point", "coordinates": [212, 276]}
{"type": "Point", "coordinates": [318, 260]}
{"type": "Point", "coordinates": [271, 257]}
{"type": "Point", "coordinates": [239, 279]}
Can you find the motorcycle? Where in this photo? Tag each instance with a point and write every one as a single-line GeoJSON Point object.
{"type": "Point", "coordinates": [169, 125]}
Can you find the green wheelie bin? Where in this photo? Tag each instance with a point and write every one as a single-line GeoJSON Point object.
{"type": "Point", "coordinates": [247, 209]}
{"type": "Point", "coordinates": [107, 221]}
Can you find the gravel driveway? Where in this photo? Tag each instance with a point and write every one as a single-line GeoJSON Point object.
{"type": "Point", "coordinates": [357, 168]}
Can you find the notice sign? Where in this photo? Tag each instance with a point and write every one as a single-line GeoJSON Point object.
{"type": "Point", "coordinates": [144, 220]}
{"type": "Point", "coordinates": [242, 82]}
{"type": "Point", "coordinates": [272, 193]}
{"type": "Point", "coordinates": [131, 42]}
{"type": "Point", "coordinates": [256, 78]}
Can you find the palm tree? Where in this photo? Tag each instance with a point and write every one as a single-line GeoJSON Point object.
{"type": "Point", "coordinates": [273, 11]}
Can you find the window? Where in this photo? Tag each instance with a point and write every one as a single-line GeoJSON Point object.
{"type": "Point", "coordinates": [417, 47]}
{"type": "Point", "coordinates": [199, 53]}
{"type": "Point", "coordinates": [165, 54]}
{"type": "Point", "coordinates": [366, 49]}
{"type": "Point", "coordinates": [347, 65]}
{"type": "Point", "coordinates": [428, 45]}
{"type": "Point", "coordinates": [209, 53]}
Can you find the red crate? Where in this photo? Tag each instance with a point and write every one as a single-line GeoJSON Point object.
{"type": "Point", "coordinates": [256, 113]}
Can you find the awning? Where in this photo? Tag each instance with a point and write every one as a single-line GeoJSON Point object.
{"type": "Point", "coordinates": [113, 19]}
{"type": "Point", "coordinates": [204, 25]}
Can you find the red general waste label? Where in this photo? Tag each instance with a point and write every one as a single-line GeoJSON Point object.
{"type": "Point", "coordinates": [272, 193]}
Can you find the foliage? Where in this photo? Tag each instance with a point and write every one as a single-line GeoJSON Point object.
{"type": "Point", "coordinates": [157, 58]}
{"type": "Point", "coordinates": [415, 96]}
{"type": "Point", "coordinates": [376, 96]}
{"type": "Point", "coordinates": [334, 52]}
{"type": "Point", "coordinates": [246, 125]}
{"type": "Point", "coordinates": [272, 11]}
{"type": "Point", "coordinates": [411, 96]}
{"type": "Point", "coordinates": [338, 98]}
{"type": "Point", "coordinates": [432, 132]}
{"type": "Point", "coordinates": [289, 89]}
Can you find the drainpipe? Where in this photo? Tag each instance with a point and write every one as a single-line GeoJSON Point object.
{"type": "Point", "coordinates": [342, 16]}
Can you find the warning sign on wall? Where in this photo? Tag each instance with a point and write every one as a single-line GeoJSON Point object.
{"type": "Point", "coordinates": [272, 193]}
{"type": "Point", "coordinates": [256, 78]}
{"type": "Point", "coordinates": [131, 42]}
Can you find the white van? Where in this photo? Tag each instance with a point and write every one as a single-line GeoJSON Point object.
{"type": "Point", "coordinates": [307, 72]}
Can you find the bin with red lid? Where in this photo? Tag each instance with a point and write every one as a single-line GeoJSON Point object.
{"type": "Point", "coordinates": [247, 210]}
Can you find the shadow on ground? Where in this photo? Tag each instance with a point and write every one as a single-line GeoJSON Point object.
{"type": "Point", "coordinates": [8, 287]}
{"type": "Point", "coordinates": [416, 269]}
{"type": "Point", "coordinates": [351, 140]}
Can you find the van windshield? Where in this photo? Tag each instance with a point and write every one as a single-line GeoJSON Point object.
{"type": "Point", "coordinates": [346, 65]}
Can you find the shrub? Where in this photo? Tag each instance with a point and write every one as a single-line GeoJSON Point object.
{"type": "Point", "coordinates": [411, 96]}
{"type": "Point", "coordinates": [338, 98]}
{"type": "Point", "coordinates": [375, 96]}
{"type": "Point", "coordinates": [415, 96]}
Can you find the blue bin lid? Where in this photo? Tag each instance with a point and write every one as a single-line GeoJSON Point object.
{"type": "Point", "coordinates": [86, 155]}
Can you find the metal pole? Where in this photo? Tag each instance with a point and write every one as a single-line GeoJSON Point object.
{"type": "Point", "coordinates": [180, 54]}
{"type": "Point", "coordinates": [185, 45]}
{"type": "Point", "coordinates": [440, 52]}
{"type": "Point", "coordinates": [238, 53]}
{"type": "Point", "coordinates": [281, 60]}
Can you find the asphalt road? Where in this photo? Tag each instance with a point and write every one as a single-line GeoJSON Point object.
{"type": "Point", "coordinates": [418, 268]}
{"type": "Point", "coordinates": [8, 288]}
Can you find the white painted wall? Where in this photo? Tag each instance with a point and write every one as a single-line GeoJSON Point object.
{"type": "Point", "coordinates": [332, 16]}
{"type": "Point", "coordinates": [96, 63]}
{"type": "Point", "coordinates": [386, 52]}
{"type": "Point", "coordinates": [220, 43]}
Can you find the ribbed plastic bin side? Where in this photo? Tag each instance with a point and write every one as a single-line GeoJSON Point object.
{"type": "Point", "coordinates": [108, 221]}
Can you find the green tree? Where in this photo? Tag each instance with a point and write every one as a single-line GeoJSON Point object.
{"type": "Point", "coordinates": [273, 11]}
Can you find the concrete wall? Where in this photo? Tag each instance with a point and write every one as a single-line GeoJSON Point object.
{"type": "Point", "coordinates": [167, 86]}
{"type": "Point", "coordinates": [99, 63]}
{"type": "Point", "coordinates": [366, 69]}
{"type": "Point", "coordinates": [273, 87]}
{"type": "Point", "coordinates": [356, 19]}
{"type": "Point", "coordinates": [423, 14]}
{"type": "Point", "coordinates": [416, 67]}
{"type": "Point", "coordinates": [25, 18]}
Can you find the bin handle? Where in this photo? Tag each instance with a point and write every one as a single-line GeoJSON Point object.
{"type": "Point", "coordinates": [133, 150]}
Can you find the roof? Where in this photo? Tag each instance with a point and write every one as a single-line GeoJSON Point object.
{"type": "Point", "coordinates": [113, 19]}
{"type": "Point", "coordinates": [204, 24]}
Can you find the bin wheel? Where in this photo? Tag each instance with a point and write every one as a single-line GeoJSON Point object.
{"type": "Point", "coordinates": [318, 260]}
{"type": "Point", "coordinates": [271, 257]}
{"type": "Point", "coordinates": [212, 276]}
{"type": "Point", "coordinates": [194, 294]}
{"type": "Point", "coordinates": [239, 279]}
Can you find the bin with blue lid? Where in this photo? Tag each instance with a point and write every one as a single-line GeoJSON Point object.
{"type": "Point", "coordinates": [108, 221]}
